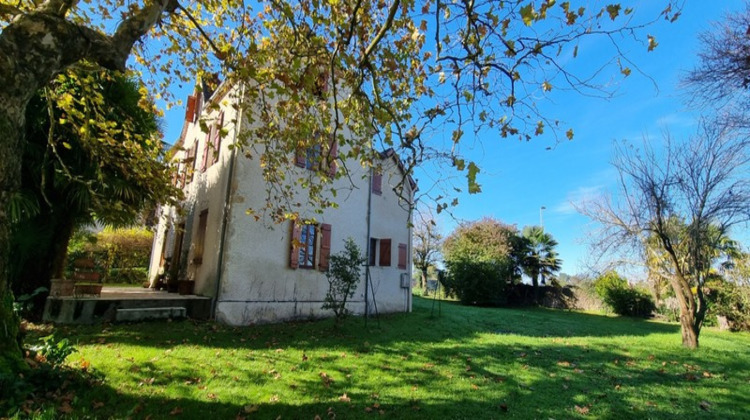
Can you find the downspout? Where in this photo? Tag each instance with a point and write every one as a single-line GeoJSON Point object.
{"type": "Point", "coordinates": [227, 206]}
{"type": "Point", "coordinates": [409, 250]}
{"type": "Point", "coordinates": [367, 263]}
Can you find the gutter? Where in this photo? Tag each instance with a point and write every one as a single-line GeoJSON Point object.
{"type": "Point", "coordinates": [227, 207]}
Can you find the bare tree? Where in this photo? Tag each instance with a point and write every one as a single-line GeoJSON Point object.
{"type": "Point", "coordinates": [684, 199]}
{"type": "Point", "coordinates": [426, 247]}
{"type": "Point", "coordinates": [722, 76]}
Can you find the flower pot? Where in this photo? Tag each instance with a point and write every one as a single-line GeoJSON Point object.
{"type": "Point", "coordinates": [185, 287]}
{"type": "Point", "coordinates": [88, 289]}
{"type": "Point", "coordinates": [61, 287]}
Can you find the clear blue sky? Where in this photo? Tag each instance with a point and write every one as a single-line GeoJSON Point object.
{"type": "Point", "coordinates": [519, 177]}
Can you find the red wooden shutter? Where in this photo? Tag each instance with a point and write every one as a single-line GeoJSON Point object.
{"type": "Point", "coordinates": [190, 111]}
{"type": "Point", "coordinates": [206, 150]}
{"type": "Point", "coordinates": [385, 252]}
{"type": "Point", "coordinates": [325, 246]}
{"type": "Point", "coordinates": [294, 252]}
{"type": "Point", "coordinates": [377, 183]}
{"type": "Point", "coordinates": [402, 256]}
{"type": "Point", "coordinates": [332, 155]}
{"type": "Point", "coordinates": [217, 138]}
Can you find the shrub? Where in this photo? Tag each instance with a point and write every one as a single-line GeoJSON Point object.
{"type": "Point", "coordinates": [480, 283]}
{"type": "Point", "coordinates": [623, 299]}
{"type": "Point", "coordinates": [730, 301]}
{"type": "Point", "coordinates": [343, 275]}
{"type": "Point", "coordinates": [121, 255]}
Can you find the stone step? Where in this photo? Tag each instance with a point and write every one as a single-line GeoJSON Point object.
{"type": "Point", "coordinates": [142, 314]}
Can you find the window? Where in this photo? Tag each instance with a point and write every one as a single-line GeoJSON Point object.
{"type": "Point", "coordinates": [377, 182]}
{"type": "Point", "coordinates": [402, 256]}
{"type": "Point", "coordinates": [310, 245]}
{"type": "Point", "coordinates": [306, 254]}
{"type": "Point", "coordinates": [200, 238]}
{"type": "Point", "coordinates": [373, 250]}
{"type": "Point", "coordinates": [315, 157]}
{"type": "Point", "coordinates": [216, 138]}
{"type": "Point", "coordinates": [190, 163]}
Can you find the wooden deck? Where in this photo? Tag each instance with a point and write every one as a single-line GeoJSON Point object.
{"type": "Point", "coordinates": [94, 309]}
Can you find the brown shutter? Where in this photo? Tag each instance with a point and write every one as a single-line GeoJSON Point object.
{"type": "Point", "coordinates": [206, 150]}
{"type": "Point", "coordinates": [402, 256]}
{"type": "Point", "coordinates": [294, 242]}
{"type": "Point", "coordinates": [332, 155]}
{"type": "Point", "coordinates": [377, 183]}
{"type": "Point", "coordinates": [325, 246]}
{"type": "Point", "coordinates": [190, 112]}
{"type": "Point", "coordinates": [385, 252]}
{"type": "Point", "coordinates": [217, 138]}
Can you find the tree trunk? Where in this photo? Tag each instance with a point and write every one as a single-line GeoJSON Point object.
{"type": "Point", "coordinates": [11, 123]}
{"type": "Point", "coordinates": [61, 239]}
{"type": "Point", "coordinates": [535, 284]}
{"type": "Point", "coordinates": [689, 331]}
{"type": "Point", "coordinates": [423, 279]}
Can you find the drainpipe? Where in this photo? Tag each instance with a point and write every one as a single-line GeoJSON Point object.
{"type": "Point", "coordinates": [367, 263]}
{"type": "Point", "coordinates": [227, 206]}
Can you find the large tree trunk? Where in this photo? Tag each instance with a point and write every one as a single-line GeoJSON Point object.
{"type": "Point", "coordinates": [11, 123]}
{"type": "Point", "coordinates": [423, 279]}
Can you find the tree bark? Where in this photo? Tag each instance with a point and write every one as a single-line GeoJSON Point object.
{"type": "Point", "coordinates": [423, 279]}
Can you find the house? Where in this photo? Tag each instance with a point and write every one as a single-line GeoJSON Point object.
{"type": "Point", "coordinates": [258, 273]}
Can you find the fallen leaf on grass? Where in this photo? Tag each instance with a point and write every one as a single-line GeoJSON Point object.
{"type": "Point", "coordinates": [211, 396]}
{"type": "Point", "coordinates": [97, 405]}
{"type": "Point", "coordinates": [503, 407]}
{"type": "Point", "coordinates": [175, 411]}
{"type": "Point", "coordinates": [582, 410]}
{"type": "Point", "coordinates": [274, 398]}
{"type": "Point", "coordinates": [250, 408]}
{"type": "Point", "coordinates": [705, 405]}
{"type": "Point", "coordinates": [327, 380]}
{"type": "Point", "coordinates": [345, 398]}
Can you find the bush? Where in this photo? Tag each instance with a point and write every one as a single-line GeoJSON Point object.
{"type": "Point", "coordinates": [621, 298]}
{"type": "Point", "coordinates": [730, 301]}
{"type": "Point", "coordinates": [343, 275]}
{"type": "Point", "coordinates": [477, 282]}
{"type": "Point", "coordinates": [121, 255]}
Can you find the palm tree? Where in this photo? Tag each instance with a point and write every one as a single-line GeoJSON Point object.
{"type": "Point", "coordinates": [539, 259]}
{"type": "Point", "coordinates": [70, 180]}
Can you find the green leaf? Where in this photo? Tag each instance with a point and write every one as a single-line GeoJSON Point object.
{"type": "Point", "coordinates": [474, 187]}
{"type": "Point", "coordinates": [528, 14]}
{"type": "Point", "coordinates": [613, 10]}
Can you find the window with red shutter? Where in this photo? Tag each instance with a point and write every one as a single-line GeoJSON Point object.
{"type": "Point", "coordinates": [377, 183]}
{"type": "Point", "coordinates": [294, 251]}
{"type": "Point", "coordinates": [191, 108]}
{"type": "Point", "coordinates": [216, 141]}
{"type": "Point", "coordinates": [206, 151]}
{"type": "Point", "coordinates": [385, 252]}
{"type": "Point", "coordinates": [402, 256]}
{"type": "Point", "coordinates": [325, 247]}
{"type": "Point", "coordinates": [332, 155]}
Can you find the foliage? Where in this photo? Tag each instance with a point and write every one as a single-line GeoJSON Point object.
{"type": "Point", "coordinates": [426, 246]}
{"type": "Point", "coordinates": [687, 196]}
{"type": "Point", "coordinates": [479, 259]}
{"type": "Point", "coordinates": [343, 275]}
{"type": "Point", "coordinates": [25, 303]}
{"type": "Point", "coordinates": [621, 298]}
{"type": "Point", "coordinates": [730, 301]}
{"type": "Point", "coordinates": [120, 254]}
{"type": "Point", "coordinates": [537, 256]}
{"type": "Point", "coordinates": [54, 350]}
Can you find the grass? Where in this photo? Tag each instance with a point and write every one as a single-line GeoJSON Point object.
{"type": "Point", "coordinates": [468, 363]}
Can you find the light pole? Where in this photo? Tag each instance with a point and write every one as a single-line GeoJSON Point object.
{"type": "Point", "coordinates": [541, 216]}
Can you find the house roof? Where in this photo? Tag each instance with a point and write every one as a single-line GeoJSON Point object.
{"type": "Point", "coordinates": [390, 153]}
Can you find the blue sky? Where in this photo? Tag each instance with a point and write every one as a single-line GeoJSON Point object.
{"type": "Point", "coordinates": [519, 177]}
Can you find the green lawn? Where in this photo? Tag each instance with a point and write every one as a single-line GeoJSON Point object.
{"type": "Point", "coordinates": [471, 363]}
